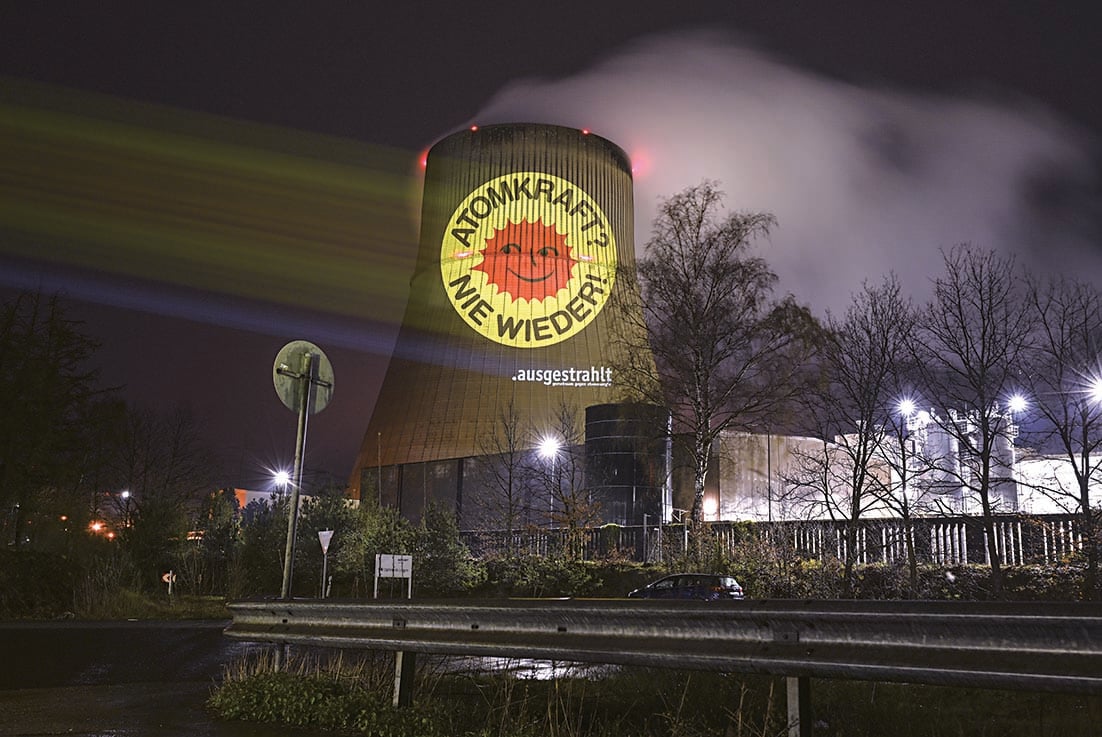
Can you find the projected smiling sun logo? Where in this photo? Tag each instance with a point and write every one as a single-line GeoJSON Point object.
{"type": "Point", "coordinates": [528, 259]}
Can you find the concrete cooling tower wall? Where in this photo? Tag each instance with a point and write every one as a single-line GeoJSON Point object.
{"type": "Point", "coordinates": [524, 232]}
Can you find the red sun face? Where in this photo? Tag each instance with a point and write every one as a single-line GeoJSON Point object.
{"type": "Point", "coordinates": [528, 260]}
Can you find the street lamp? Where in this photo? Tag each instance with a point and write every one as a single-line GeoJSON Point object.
{"type": "Point", "coordinates": [280, 479]}
{"type": "Point", "coordinates": [906, 409]}
{"type": "Point", "coordinates": [1095, 391]}
{"type": "Point", "coordinates": [548, 449]}
{"type": "Point", "coordinates": [125, 494]}
{"type": "Point", "coordinates": [1017, 403]}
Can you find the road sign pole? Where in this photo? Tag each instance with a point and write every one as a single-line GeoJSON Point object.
{"type": "Point", "coordinates": [307, 388]}
{"type": "Point", "coordinates": [307, 392]}
{"type": "Point", "coordinates": [324, 537]}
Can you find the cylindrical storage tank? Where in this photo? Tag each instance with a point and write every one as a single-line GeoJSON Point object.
{"type": "Point", "coordinates": [1004, 486]}
{"type": "Point", "coordinates": [627, 461]}
{"type": "Point", "coordinates": [942, 454]}
{"type": "Point", "coordinates": [524, 229]}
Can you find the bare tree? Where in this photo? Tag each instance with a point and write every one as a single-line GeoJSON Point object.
{"type": "Point", "coordinates": [167, 473]}
{"type": "Point", "coordinates": [814, 482]}
{"type": "Point", "coordinates": [912, 472]}
{"type": "Point", "coordinates": [861, 359]}
{"type": "Point", "coordinates": [1066, 390]}
{"type": "Point", "coordinates": [504, 472]}
{"type": "Point", "coordinates": [570, 504]}
{"type": "Point", "coordinates": [973, 342]}
{"type": "Point", "coordinates": [726, 353]}
{"type": "Point", "coordinates": [162, 460]}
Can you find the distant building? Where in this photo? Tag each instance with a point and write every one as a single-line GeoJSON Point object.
{"type": "Point", "coordinates": [246, 497]}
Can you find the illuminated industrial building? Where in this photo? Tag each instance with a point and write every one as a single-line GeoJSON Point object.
{"type": "Point", "coordinates": [511, 324]}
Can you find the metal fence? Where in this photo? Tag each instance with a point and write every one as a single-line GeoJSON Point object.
{"type": "Point", "coordinates": [1020, 539]}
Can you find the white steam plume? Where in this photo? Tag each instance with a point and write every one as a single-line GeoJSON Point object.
{"type": "Point", "coordinates": [862, 181]}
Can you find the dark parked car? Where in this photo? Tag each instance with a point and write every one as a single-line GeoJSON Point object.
{"type": "Point", "coordinates": [702, 586]}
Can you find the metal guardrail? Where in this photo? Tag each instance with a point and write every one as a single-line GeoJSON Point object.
{"type": "Point", "coordinates": [1035, 646]}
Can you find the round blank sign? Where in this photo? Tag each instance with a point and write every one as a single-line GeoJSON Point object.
{"type": "Point", "coordinates": [288, 376]}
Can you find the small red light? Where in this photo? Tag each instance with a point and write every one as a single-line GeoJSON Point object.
{"type": "Point", "coordinates": [585, 131]}
{"type": "Point", "coordinates": [474, 127]}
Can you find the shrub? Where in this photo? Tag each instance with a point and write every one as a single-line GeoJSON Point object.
{"type": "Point", "coordinates": [322, 701]}
{"type": "Point", "coordinates": [327, 691]}
{"type": "Point", "coordinates": [1043, 583]}
{"type": "Point", "coordinates": [35, 585]}
{"type": "Point", "coordinates": [539, 576]}
{"type": "Point", "coordinates": [442, 564]}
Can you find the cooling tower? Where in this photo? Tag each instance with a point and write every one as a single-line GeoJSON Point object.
{"type": "Point", "coordinates": [524, 232]}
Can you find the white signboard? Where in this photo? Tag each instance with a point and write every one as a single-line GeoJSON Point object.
{"type": "Point", "coordinates": [394, 566]}
{"type": "Point", "coordinates": [324, 536]}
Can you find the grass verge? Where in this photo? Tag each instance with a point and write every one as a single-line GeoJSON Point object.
{"type": "Point", "coordinates": [352, 693]}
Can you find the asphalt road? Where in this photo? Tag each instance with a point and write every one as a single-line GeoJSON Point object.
{"type": "Point", "coordinates": [117, 679]}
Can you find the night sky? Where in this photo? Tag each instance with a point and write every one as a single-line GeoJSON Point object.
{"type": "Point", "coordinates": [876, 135]}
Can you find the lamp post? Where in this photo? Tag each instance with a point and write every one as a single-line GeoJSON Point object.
{"type": "Point", "coordinates": [906, 408]}
{"type": "Point", "coordinates": [549, 451]}
{"type": "Point", "coordinates": [1016, 405]}
{"type": "Point", "coordinates": [125, 494]}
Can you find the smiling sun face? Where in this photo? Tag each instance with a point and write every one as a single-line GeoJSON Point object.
{"type": "Point", "coordinates": [527, 260]}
